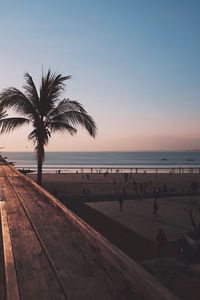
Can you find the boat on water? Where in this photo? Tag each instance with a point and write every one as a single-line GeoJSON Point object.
{"type": "Point", "coordinates": [190, 159]}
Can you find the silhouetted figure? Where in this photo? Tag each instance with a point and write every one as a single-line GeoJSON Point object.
{"type": "Point", "coordinates": [125, 177]}
{"type": "Point", "coordinates": [121, 201]}
{"type": "Point", "coordinates": [124, 193]}
{"type": "Point", "coordinates": [155, 206]}
{"type": "Point", "coordinates": [114, 186]}
{"type": "Point", "coordinates": [161, 242]}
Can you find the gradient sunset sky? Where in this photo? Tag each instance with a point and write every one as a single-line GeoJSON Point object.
{"type": "Point", "coordinates": [135, 66]}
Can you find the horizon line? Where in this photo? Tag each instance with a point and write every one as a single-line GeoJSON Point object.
{"type": "Point", "coordinates": [170, 150]}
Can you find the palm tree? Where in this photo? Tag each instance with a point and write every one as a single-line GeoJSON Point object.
{"type": "Point", "coordinates": [3, 114]}
{"type": "Point", "coordinates": [45, 111]}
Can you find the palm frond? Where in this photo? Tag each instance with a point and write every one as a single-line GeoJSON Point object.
{"type": "Point", "coordinates": [15, 99]}
{"type": "Point", "coordinates": [3, 113]}
{"type": "Point", "coordinates": [9, 124]}
{"type": "Point", "coordinates": [60, 126]}
{"type": "Point", "coordinates": [83, 119]}
{"type": "Point", "coordinates": [64, 106]}
{"type": "Point", "coordinates": [75, 118]}
{"type": "Point", "coordinates": [72, 113]}
{"type": "Point", "coordinates": [51, 88]}
{"type": "Point", "coordinates": [31, 91]}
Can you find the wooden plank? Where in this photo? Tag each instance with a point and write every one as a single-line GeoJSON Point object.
{"type": "Point", "coordinates": [12, 289]}
{"type": "Point", "coordinates": [36, 279]}
{"type": "Point", "coordinates": [6, 169]}
{"type": "Point", "coordinates": [78, 278]}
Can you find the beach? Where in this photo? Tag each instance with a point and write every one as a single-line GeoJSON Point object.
{"type": "Point", "coordinates": [108, 184]}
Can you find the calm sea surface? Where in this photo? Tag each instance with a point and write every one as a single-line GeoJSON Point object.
{"type": "Point", "coordinates": [64, 160]}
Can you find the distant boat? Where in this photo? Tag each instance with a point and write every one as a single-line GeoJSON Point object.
{"type": "Point", "coordinates": [190, 159]}
{"type": "Point", "coordinates": [164, 158]}
{"type": "Point", "coordinates": [12, 163]}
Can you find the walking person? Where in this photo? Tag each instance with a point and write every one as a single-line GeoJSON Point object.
{"type": "Point", "coordinates": [155, 206]}
{"type": "Point", "coordinates": [121, 201]}
{"type": "Point", "coordinates": [114, 186]}
{"type": "Point", "coordinates": [161, 242]}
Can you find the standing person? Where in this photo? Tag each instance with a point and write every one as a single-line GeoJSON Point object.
{"type": "Point", "coordinates": [114, 186]}
{"type": "Point", "coordinates": [121, 201]}
{"type": "Point", "coordinates": [124, 193]}
{"type": "Point", "coordinates": [161, 242]}
{"type": "Point", "coordinates": [155, 206]}
{"type": "Point", "coordinates": [125, 177]}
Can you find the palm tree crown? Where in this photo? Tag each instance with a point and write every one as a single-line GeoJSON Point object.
{"type": "Point", "coordinates": [45, 111]}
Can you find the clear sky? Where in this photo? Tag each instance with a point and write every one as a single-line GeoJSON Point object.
{"type": "Point", "coordinates": [135, 66]}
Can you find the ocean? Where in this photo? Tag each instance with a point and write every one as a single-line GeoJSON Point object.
{"type": "Point", "coordinates": [75, 160]}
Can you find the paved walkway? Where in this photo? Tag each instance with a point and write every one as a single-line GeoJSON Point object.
{"type": "Point", "coordinates": [137, 215]}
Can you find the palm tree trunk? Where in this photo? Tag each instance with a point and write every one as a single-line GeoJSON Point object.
{"type": "Point", "coordinates": [40, 158]}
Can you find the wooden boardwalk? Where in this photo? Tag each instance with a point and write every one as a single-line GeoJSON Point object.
{"type": "Point", "coordinates": [49, 253]}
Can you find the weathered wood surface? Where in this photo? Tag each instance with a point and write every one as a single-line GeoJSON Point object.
{"type": "Point", "coordinates": [11, 282]}
{"type": "Point", "coordinates": [36, 278]}
{"type": "Point", "coordinates": [57, 256]}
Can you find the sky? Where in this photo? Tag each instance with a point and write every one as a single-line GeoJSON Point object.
{"type": "Point", "coordinates": [135, 66]}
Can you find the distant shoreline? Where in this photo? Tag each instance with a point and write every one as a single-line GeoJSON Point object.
{"type": "Point", "coordinates": [115, 170]}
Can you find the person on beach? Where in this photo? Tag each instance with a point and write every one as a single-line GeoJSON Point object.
{"type": "Point", "coordinates": [155, 206]}
{"type": "Point", "coordinates": [121, 201]}
{"type": "Point", "coordinates": [126, 177]}
{"type": "Point", "coordinates": [161, 242]}
{"type": "Point", "coordinates": [114, 186]}
{"type": "Point", "coordinates": [124, 193]}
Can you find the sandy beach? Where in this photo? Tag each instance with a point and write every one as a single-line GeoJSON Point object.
{"type": "Point", "coordinates": [104, 184]}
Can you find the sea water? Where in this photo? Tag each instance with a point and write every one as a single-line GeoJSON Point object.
{"type": "Point", "coordinates": [64, 160]}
